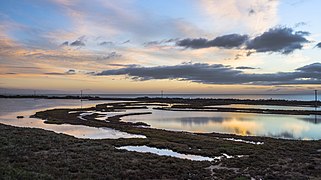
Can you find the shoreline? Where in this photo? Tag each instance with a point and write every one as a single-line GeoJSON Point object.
{"type": "Point", "coordinates": [194, 101]}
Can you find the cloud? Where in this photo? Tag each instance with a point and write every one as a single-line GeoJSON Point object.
{"type": "Point", "coordinates": [226, 41]}
{"type": "Point", "coordinates": [299, 24]}
{"type": "Point", "coordinates": [125, 42]}
{"type": "Point", "coordinates": [66, 43]}
{"type": "Point", "coordinates": [71, 71]}
{"type": "Point", "coordinates": [106, 43]}
{"type": "Point", "coordinates": [245, 67]}
{"type": "Point", "coordinates": [251, 12]}
{"type": "Point", "coordinates": [112, 55]}
{"type": "Point", "coordinates": [282, 40]}
{"type": "Point", "coordinates": [123, 65]}
{"type": "Point", "coordinates": [315, 67]}
{"type": "Point", "coordinates": [77, 43]}
{"type": "Point", "coordinates": [219, 74]}
{"type": "Point", "coordinates": [164, 42]}
{"type": "Point", "coordinates": [318, 45]}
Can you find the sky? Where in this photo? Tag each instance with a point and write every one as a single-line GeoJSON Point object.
{"type": "Point", "coordinates": [144, 46]}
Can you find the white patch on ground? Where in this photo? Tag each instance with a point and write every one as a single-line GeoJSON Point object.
{"type": "Point", "coordinates": [81, 115]}
{"type": "Point", "coordinates": [165, 152]}
{"type": "Point", "coordinates": [102, 115]}
{"type": "Point", "coordinates": [101, 118]}
{"type": "Point", "coordinates": [142, 126]}
{"type": "Point", "coordinates": [168, 152]}
{"type": "Point", "coordinates": [116, 134]}
{"type": "Point", "coordinates": [244, 141]}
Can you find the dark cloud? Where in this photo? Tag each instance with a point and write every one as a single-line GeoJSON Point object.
{"type": "Point", "coordinates": [160, 43]}
{"type": "Point", "coordinates": [112, 55]}
{"type": "Point", "coordinates": [219, 74]}
{"type": "Point", "coordinates": [54, 73]}
{"type": "Point", "coordinates": [77, 43]}
{"type": "Point", "coordinates": [245, 67]}
{"type": "Point", "coordinates": [106, 43]}
{"type": "Point", "coordinates": [318, 45]}
{"type": "Point", "coordinates": [125, 42]}
{"type": "Point", "coordinates": [66, 43]}
{"type": "Point", "coordinates": [302, 33]}
{"type": "Point", "coordinates": [71, 71]}
{"type": "Point", "coordinates": [299, 24]}
{"type": "Point", "coordinates": [315, 67]}
{"type": "Point", "coordinates": [282, 40]}
{"type": "Point", "coordinates": [123, 65]}
{"type": "Point", "coordinates": [226, 41]}
{"type": "Point", "coordinates": [251, 12]}
{"type": "Point", "coordinates": [152, 43]}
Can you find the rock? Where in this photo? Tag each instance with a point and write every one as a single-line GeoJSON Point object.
{"type": "Point", "coordinates": [20, 117]}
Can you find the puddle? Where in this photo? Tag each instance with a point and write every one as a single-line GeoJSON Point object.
{"type": "Point", "coordinates": [244, 141]}
{"type": "Point", "coordinates": [102, 116]}
{"type": "Point", "coordinates": [168, 152]}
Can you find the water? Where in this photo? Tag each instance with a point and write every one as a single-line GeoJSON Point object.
{"type": "Point", "coordinates": [272, 125]}
{"type": "Point", "coordinates": [281, 126]}
{"type": "Point", "coordinates": [267, 107]}
{"type": "Point", "coordinates": [171, 153]}
{"type": "Point", "coordinates": [11, 108]}
{"type": "Point", "coordinates": [166, 152]}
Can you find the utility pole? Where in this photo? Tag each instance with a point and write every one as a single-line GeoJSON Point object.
{"type": "Point", "coordinates": [316, 97]}
{"type": "Point", "coordinates": [81, 98]}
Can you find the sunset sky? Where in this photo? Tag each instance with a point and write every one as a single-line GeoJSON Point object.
{"type": "Point", "coordinates": [144, 46]}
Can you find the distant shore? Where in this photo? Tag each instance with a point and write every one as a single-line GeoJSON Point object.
{"type": "Point", "coordinates": [194, 101]}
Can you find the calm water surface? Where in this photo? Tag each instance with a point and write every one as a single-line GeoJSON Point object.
{"type": "Point", "coordinates": [11, 108]}
{"type": "Point", "coordinates": [282, 126]}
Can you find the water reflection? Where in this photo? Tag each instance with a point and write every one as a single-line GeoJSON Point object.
{"type": "Point", "coordinates": [281, 126]}
{"type": "Point", "coordinates": [266, 107]}
{"type": "Point", "coordinates": [312, 119]}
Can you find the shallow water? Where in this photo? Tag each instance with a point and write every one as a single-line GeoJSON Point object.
{"type": "Point", "coordinates": [267, 107]}
{"type": "Point", "coordinates": [166, 152]}
{"type": "Point", "coordinates": [272, 125]}
{"type": "Point", "coordinates": [11, 108]}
